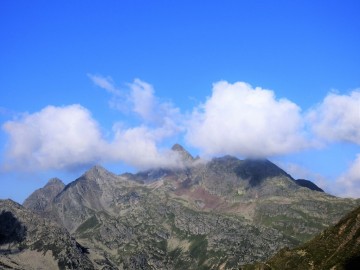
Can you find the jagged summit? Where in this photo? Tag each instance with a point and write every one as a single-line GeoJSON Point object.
{"type": "Point", "coordinates": [184, 154]}
{"type": "Point", "coordinates": [42, 197]}
{"type": "Point", "coordinates": [177, 147]}
{"type": "Point", "coordinates": [96, 170]}
{"type": "Point", "coordinates": [55, 181]}
{"type": "Point", "coordinates": [9, 202]}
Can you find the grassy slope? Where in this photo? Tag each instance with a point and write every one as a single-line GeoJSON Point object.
{"type": "Point", "coordinates": [338, 247]}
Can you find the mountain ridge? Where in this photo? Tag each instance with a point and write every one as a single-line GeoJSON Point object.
{"type": "Point", "coordinates": [222, 213]}
{"type": "Point", "coordinates": [42, 197]}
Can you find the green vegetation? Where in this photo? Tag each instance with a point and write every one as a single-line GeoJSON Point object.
{"type": "Point", "coordinates": [338, 247]}
{"type": "Point", "coordinates": [90, 223]}
{"type": "Point", "coordinates": [198, 248]}
{"type": "Point", "coordinates": [162, 245]}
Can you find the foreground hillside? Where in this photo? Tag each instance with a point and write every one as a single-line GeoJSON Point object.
{"type": "Point", "coordinates": [338, 247]}
{"type": "Point", "coordinates": [28, 241]}
{"type": "Point", "coordinates": [219, 214]}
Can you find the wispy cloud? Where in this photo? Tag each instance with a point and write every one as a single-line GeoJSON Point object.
{"type": "Point", "coordinates": [105, 83]}
{"type": "Point", "coordinates": [348, 184]}
{"type": "Point", "coordinates": [118, 98]}
{"type": "Point", "coordinates": [161, 119]}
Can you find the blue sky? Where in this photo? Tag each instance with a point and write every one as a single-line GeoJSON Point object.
{"type": "Point", "coordinates": [118, 82]}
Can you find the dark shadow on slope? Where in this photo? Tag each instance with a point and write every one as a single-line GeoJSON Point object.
{"type": "Point", "coordinates": [11, 229]}
{"type": "Point", "coordinates": [353, 263]}
{"type": "Point", "coordinates": [84, 250]}
{"type": "Point", "coordinates": [308, 184]}
{"type": "Point", "coordinates": [257, 170]}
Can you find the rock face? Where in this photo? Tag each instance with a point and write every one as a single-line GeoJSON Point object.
{"type": "Point", "coordinates": [42, 197]}
{"type": "Point", "coordinates": [219, 214]}
{"type": "Point", "coordinates": [338, 247]}
{"type": "Point", "coordinates": [28, 241]}
{"type": "Point", "coordinates": [308, 184]}
{"type": "Point", "coordinates": [185, 155]}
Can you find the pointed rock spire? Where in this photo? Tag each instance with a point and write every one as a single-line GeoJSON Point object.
{"type": "Point", "coordinates": [185, 155]}
{"type": "Point", "coordinates": [42, 197]}
{"type": "Point", "coordinates": [55, 182]}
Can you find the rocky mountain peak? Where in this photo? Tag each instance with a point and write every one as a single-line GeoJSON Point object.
{"type": "Point", "coordinates": [184, 154]}
{"type": "Point", "coordinates": [42, 197]}
{"type": "Point", "coordinates": [96, 171]}
{"type": "Point", "coordinates": [254, 170]}
{"type": "Point", "coordinates": [9, 203]}
{"type": "Point", "coordinates": [55, 182]}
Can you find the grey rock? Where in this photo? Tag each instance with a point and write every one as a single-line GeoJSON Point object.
{"type": "Point", "coordinates": [22, 232]}
{"type": "Point", "coordinates": [218, 214]}
{"type": "Point", "coordinates": [40, 199]}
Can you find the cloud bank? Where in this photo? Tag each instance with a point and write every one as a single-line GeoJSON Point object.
{"type": "Point", "coordinates": [240, 120]}
{"type": "Point", "coordinates": [337, 118]}
{"type": "Point", "coordinates": [235, 119]}
{"type": "Point", "coordinates": [55, 137]}
{"type": "Point", "coordinates": [68, 138]}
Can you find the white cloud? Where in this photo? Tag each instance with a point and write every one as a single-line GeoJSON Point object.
{"type": "Point", "coordinates": [236, 119]}
{"type": "Point", "coordinates": [337, 118]}
{"type": "Point", "coordinates": [138, 147]}
{"type": "Point", "coordinates": [68, 137]}
{"type": "Point", "coordinates": [118, 98]}
{"type": "Point", "coordinates": [55, 137]}
{"type": "Point", "coordinates": [348, 184]}
{"type": "Point", "coordinates": [151, 109]}
{"type": "Point", "coordinates": [143, 100]}
{"type": "Point", "coordinates": [140, 99]}
{"type": "Point", "coordinates": [160, 117]}
{"type": "Point", "coordinates": [241, 120]}
{"type": "Point", "coordinates": [105, 83]}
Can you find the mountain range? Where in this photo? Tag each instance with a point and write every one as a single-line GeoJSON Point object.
{"type": "Point", "coordinates": [219, 214]}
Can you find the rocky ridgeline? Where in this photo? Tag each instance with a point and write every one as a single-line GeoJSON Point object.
{"type": "Point", "coordinates": [219, 214]}
{"type": "Point", "coordinates": [43, 197]}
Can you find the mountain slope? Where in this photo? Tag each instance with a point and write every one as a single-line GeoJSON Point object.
{"type": "Point", "coordinates": [42, 197]}
{"type": "Point", "coordinates": [338, 247]}
{"type": "Point", "coordinates": [28, 241]}
{"type": "Point", "coordinates": [256, 190]}
{"type": "Point", "coordinates": [143, 226]}
{"type": "Point", "coordinates": [218, 214]}
{"type": "Point", "coordinates": [308, 184]}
